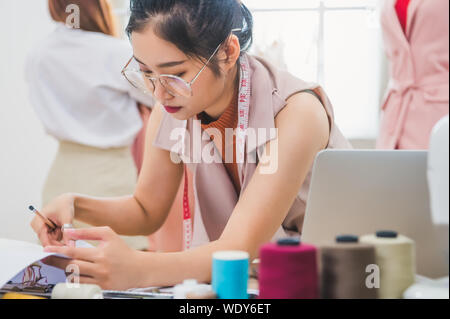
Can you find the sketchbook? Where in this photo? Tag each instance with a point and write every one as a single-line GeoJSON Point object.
{"type": "Point", "coordinates": [22, 269]}
{"type": "Point", "coordinates": [21, 266]}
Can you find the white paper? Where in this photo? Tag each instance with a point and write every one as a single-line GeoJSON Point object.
{"type": "Point", "coordinates": [16, 256]}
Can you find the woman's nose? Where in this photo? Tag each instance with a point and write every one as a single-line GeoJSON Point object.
{"type": "Point", "coordinates": [161, 93]}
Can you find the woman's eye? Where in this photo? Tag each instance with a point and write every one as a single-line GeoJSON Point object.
{"type": "Point", "coordinates": [181, 74]}
{"type": "Point", "coordinates": [146, 72]}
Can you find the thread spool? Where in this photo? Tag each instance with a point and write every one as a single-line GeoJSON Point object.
{"type": "Point", "coordinates": [288, 270]}
{"type": "Point", "coordinates": [395, 256]}
{"type": "Point", "coordinates": [191, 289]}
{"type": "Point", "coordinates": [343, 269]}
{"type": "Point", "coordinates": [74, 291]}
{"type": "Point", "coordinates": [201, 292]}
{"type": "Point", "coordinates": [230, 272]}
{"type": "Point", "coordinates": [203, 295]}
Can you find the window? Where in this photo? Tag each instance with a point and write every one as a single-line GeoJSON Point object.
{"type": "Point", "coordinates": [336, 43]}
{"type": "Point", "coordinates": [121, 9]}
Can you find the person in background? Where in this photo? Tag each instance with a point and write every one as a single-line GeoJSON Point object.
{"type": "Point", "coordinates": [416, 34]}
{"type": "Point", "coordinates": [77, 91]}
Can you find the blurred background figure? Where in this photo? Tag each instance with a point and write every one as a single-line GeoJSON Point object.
{"type": "Point", "coordinates": [78, 92]}
{"type": "Point", "coordinates": [416, 35]}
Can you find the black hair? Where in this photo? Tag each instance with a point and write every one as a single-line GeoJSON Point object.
{"type": "Point", "coordinates": [196, 27]}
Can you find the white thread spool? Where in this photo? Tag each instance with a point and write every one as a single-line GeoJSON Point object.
{"type": "Point", "coordinates": [201, 292]}
{"type": "Point", "coordinates": [395, 257]}
{"type": "Point", "coordinates": [189, 286]}
{"type": "Point", "coordinates": [76, 291]}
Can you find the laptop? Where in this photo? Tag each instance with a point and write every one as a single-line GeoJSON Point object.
{"type": "Point", "coordinates": [362, 191]}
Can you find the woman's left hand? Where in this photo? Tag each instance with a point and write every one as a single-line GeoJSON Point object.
{"type": "Point", "coordinates": [112, 265]}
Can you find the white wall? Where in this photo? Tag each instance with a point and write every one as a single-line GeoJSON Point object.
{"type": "Point", "coordinates": [26, 151]}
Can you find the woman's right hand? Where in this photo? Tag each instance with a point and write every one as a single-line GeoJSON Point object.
{"type": "Point", "coordinates": [61, 211]}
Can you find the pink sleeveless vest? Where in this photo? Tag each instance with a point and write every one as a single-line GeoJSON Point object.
{"type": "Point", "coordinates": [215, 196]}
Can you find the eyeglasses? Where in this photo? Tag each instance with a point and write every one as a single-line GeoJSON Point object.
{"type": "Point", "coordinates": [173, 84]}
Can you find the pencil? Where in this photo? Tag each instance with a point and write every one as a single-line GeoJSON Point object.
{"type": "Point", "coordinates": [46, 220]}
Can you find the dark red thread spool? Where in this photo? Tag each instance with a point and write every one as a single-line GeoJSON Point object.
{"type": "Point", "coordinates": [288, 270]}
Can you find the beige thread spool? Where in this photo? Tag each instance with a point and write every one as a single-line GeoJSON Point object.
{"type": "Point", "coordinates": [76, 291]}
{"type": "Point", "coordinates": [343, 269]}
{"type": "Point", "coordinates": [395, 256]}
{"type": "Point", "coordinates": [191, 289]}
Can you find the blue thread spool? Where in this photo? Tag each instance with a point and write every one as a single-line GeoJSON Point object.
{"type": "Point", "coordinates": [230, 274]}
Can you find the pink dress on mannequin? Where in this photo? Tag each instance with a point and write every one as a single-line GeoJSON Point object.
{"type": "Point", "coordinates": [418, 93]}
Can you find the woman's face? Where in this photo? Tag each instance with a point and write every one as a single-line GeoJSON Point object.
{"type": "Point", "coordinates": [157, 56]}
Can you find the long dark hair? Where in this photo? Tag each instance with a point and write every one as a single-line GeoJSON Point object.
{"type": "Point", "coordinates": [196, 27]}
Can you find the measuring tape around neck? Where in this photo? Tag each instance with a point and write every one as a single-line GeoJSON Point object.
{"type": "Point", "coordinates": [187, 219]}
{"type": "Point", "coordinates": [243, 109]}
{"type": "Point", "coordinates": [243, 114]}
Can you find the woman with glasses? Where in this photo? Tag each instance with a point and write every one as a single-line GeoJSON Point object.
{"type": "Point", "coordinates": [78, 94]}
{"type": "Point", "coordinates": [248, 132]}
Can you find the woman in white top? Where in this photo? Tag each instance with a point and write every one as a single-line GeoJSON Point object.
{"type": "Point", "coordinates": [83, 101]}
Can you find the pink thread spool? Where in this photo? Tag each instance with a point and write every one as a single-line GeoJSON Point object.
{"type": "Point", "coordinates": [288, 270]}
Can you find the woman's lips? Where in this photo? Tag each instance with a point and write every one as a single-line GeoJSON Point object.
{"type": "Point", "coordinates": [172, 109]}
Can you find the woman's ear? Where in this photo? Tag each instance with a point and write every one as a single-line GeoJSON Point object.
{"type": "Point", "coordinates": [231, 53]}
